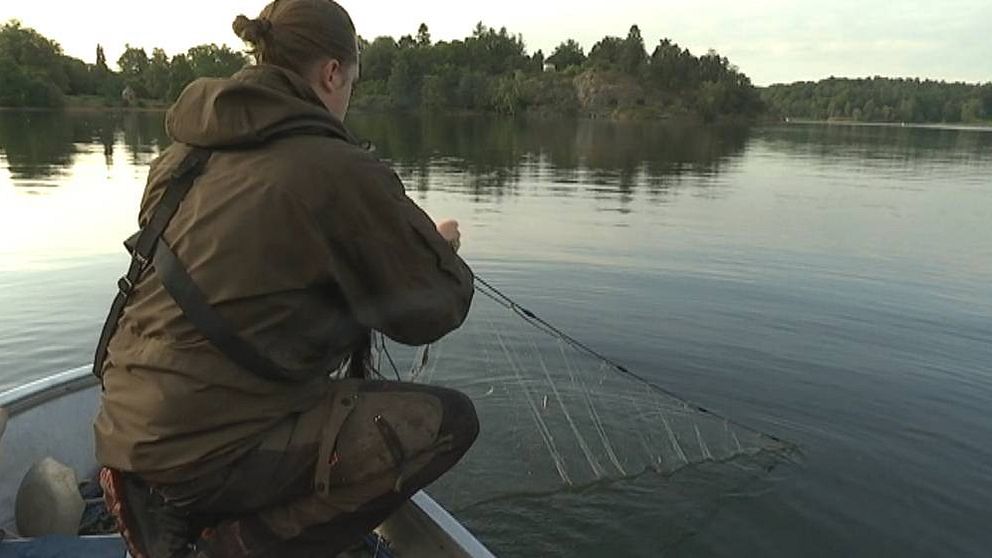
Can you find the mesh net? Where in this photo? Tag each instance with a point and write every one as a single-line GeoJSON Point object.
{"type": "Point", "coordinates": [556, 415]}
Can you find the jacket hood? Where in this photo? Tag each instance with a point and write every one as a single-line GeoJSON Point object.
{"type": "Point", "coordinates": [253, 106]}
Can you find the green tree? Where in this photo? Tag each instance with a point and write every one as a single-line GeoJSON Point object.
{"type": "Point", "coordinates": [423, 36]}
{"type": "Point", "coordinates": [40, 57]}
{"type": "Point", "coordinates": [377, 59]}
{"type": "Point", "coordinates": [133, 63]}
{"type": "Point", "coordinates": [537, 61]}
{"type": "Point", "coordinates": [985, 97]}
{"type": "Point", "coordinates": [215, 61]}
{"type": "Point", "coordinates": [971, 110]}
{"type": "Point", "coordinates": [101, 58]}
{"type": "Point", "coordinates": [711, 99]}
{"type": "Point", "coordinates": [109, 86]}
{"type": "Point", "coordinates": [713, 67]}
{"type": "Point", "coordinates": [14, 85]}
{"type": "Point", "coordinates": [156, 76]}
{"type": "Point", "coordinates": [567, 54]}
{"type": "Point", "coordinates": [80, 76]}
{"type": "Point", "coordinates": [506, 96]}
{"type": "Point", "coordinates": [180, 75]}
{"type": "Point", "coordinates": [870, 111]}
{"type": "Point", "coordinates": [670, 68]}
{"type": "Point", "coordinates": [632, 56]}
{"type": "Point", "coordinates": [26, 87]}
{"type": "Point", "coordinates": [495, 52]}
{"type": "Point", "coordinates": [951, 111]}
{"type": "Point", "coordinates": [472, 91]}
{"type": "Point", "coordinates": [908, 110]}
{"type": "Point", "coordinates": [105, 82]}
{"type": "Point", "coordinates": [433, 92]}
{"type": "Point", "coordinates": [403, 84]}
{"type": "Point", "coordinates": [607, 53]}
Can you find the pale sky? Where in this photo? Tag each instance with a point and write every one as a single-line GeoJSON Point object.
{"type": "Point", "coordinates": [770, 40]}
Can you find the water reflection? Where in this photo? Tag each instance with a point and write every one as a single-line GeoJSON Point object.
{"type": "Point", "coordinates": [488, 156]}
{"type": "Point", "coordinates": [36, 144]}
{"type": "Point", "coordinates": [44, 144]}
{"type": "Point", "coordinates": [894, 143]}
{"type": "Point", "coordinates": [493, 155]}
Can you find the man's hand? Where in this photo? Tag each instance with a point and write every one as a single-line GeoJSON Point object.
{"type": "Point", "coordinates": [448, 229]}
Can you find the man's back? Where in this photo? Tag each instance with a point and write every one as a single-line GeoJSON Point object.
{"type": "Point", "coordinates": [302, 241]}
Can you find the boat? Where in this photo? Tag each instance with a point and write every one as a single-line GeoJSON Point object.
{"type": "Point", "coordinates": [52, 418]}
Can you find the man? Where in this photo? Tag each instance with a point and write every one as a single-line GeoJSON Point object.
{"type": "Point", "coordinates": [272, 246]}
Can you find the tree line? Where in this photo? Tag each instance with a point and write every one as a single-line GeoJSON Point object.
{"type": "Point", "coordinates": [492, 70]}
{"type": "Point", "coordinates": [489, 70]}
{"type": "Point", "coordinates": [881, 99]}
{"type": "Point", "coordinates": [36, 73]}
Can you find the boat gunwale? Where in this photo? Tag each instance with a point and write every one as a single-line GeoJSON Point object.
{"type": "Point", "coordinates": [27, 396]}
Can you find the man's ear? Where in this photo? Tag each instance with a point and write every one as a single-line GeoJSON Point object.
{"type": "Point", "coordinates": [331, 75]}
{"type": "Point", "coordinates": [325, 74]}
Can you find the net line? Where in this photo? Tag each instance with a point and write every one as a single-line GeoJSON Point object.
{"type": "Point", "coordinates": [486, 289]}
{"type": "Point", "coordinates": [558, 415]}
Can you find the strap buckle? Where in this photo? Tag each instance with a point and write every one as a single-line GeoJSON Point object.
{"type": "Point", "coordinates": [124, 285]}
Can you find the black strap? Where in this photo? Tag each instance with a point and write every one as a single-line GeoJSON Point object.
{"type": "Point", "coordinates": [143, 247]}
{"type": "Point", "coordinates": [147, 246]}
{"type": "Point", "coordinates": [207, 320]}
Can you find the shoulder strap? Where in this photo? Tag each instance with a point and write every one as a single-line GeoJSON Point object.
{"type": "Point", "coordinates": [207, 320]}
{"type": "Point", "coordinates": [148, 247]}
{"type": "Point", "coordinates": [142, 245]}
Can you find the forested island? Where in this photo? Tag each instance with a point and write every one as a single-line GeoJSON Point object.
{"type": "Point", "coordinates": [492, 71]}
{"type": "Point", "coordinates": [881, 99]}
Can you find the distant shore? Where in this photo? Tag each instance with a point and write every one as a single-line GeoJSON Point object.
{"type": "Point", "coordinates": [619, 115]}
{"type": "Point", "coordinates": [95, 103]}
{"type": "Point", "coordinates": [979, 127]}
{"type": "Point", "coordinates": [83, 104]}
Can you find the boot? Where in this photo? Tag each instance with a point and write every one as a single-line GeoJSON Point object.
{"type": "Point", "coordinates": [150, 527]}
{"type": "Point", "coordinates": [241, 538]}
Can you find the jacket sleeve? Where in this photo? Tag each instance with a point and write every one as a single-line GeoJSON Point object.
{"type": "Point", "coordinates": [397, 274]}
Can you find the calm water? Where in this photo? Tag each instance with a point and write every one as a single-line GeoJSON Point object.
{"type": "Point", "coordinates": [830, 285]}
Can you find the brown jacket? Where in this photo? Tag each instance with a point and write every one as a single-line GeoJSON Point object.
{"type": "Point", "coordinates": [303, 242]}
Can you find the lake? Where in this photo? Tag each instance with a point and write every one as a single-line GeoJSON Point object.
{"type": "Point", "coordinates": [828, 284]}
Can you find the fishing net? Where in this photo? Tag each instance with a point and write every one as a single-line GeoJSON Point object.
{"type": "Point", "coordinates": [557, 415]}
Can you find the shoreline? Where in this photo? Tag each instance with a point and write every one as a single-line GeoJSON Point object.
{"type": "Point", "coordinates": [84, 109]}
{"type": "Point", "coordinates": [617, 116]}
{"type": "Point", "coordinates": [92, 103]}
{"type": "Point", "coordinates": [981, 127]}
{"type": "Point", "coordinates": [621, 117]}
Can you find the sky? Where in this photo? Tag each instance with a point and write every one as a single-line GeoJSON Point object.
{"type": "Point", "coordinates": [772, 41]}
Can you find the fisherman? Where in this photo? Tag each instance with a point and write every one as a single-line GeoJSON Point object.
{"type": "Point", "coordinates": [237, 418]}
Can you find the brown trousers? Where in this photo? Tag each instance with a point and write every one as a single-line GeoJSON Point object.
{"type": "Point", "coordinates": [321, 480]}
